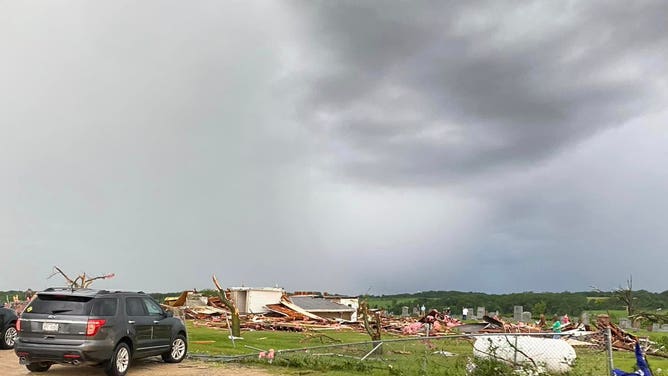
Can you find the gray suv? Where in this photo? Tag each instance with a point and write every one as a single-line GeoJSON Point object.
{"type": "Point", "coordinates": [96, 327]}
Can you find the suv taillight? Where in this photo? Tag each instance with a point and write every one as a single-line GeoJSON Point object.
{"type": "Point", "coordinates": [18, 325]}
{"type": "Point", "coordinates": [93, 326]}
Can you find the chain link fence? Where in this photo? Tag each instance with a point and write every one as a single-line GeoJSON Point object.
{"type": "Point", "coordinates": [473, 354]}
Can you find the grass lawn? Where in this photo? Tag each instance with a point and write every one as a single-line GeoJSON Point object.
{"type": "Point", "coordinates": [264, 340]}
{"type": "Point", "coordinates": [398, 358]}
{"type": "Point", "coordinates": [615, 314]}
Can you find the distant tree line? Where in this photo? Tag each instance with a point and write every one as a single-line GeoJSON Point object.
{"type": "Point", "coordinates": [160, 296]}
{"type": "Point", "coordinates": [548, 303]}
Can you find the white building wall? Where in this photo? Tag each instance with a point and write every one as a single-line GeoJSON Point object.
{"type": "Point", "coordinates": [351, 302]}
{"type": "Point", "coordinates": [239, 298]}
{"type": "Point", "coordinates": [257, 299]}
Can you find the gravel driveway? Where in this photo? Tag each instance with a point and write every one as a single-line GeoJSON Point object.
{"type": "Point", "coordinates": [9, 366]}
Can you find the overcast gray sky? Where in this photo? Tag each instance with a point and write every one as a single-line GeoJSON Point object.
{"type": "Point", "coordinates": [341, 146]}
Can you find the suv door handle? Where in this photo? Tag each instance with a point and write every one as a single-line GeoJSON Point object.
{"type": "Point", "coordinates": [131, 322]}
{"type": "Point", "coordinates": [156, 322]}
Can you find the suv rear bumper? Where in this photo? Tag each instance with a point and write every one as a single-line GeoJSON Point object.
{"type": "Point", "coordinates": [87, 352]}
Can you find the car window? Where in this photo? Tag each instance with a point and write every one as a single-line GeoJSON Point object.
{"type": "Point", "coordinates": [60, 305]}
{"type": "Point", "coordinates": [152, 307]}
{"type": "Point", "coordinates": [135, 307]}
{"type": "Point", "coordinates": [104, 307]}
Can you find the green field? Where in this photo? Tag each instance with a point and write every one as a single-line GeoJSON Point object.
{"type": "Point", "coordinates": [264, 340]}
{"type": "Point", "coordinates": [615, 314]}
{"type": "Point", "coordinates": [398, 358]}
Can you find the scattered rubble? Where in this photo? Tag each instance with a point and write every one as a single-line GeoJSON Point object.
{"type": "Point", "coordinates": [625, 341]}
{"type": "Point", "coordinates": [621, 339]}
{"type": "Point", "coordinates": [300, 314]}
{"type": "Point", "coordinates": [287, 315]}
{"type": "Point", "coordinates": [498, 325]}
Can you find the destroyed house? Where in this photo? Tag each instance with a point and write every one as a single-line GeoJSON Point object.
{"type": "Point", "coordinates": [325, 308]}
{"type": "Point", "coordinates": [350, 301]}
{"type": "Point", "coordinates": [255, 299]}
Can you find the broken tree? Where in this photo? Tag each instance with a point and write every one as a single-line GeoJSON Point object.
{"type": "Point", "coordinates": [81, 281]}
{"type": "Point", "coordinates": [234, 311]}
{"type": "Point", "coordinates": [372, 328]}
{"type": "Point", "coordinates": [624, 295]}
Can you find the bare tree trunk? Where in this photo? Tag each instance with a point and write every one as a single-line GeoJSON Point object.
{"type": "Point", "coordinates": [626, 296]}
{"type": "Point", "coordinates": [236, 321]}
{"type": "Point", "coordinates": [372, 328]}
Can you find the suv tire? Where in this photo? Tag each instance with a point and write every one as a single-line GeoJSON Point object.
{"type": "Point", "coordinates": [8, 338]}
{"type": "Point", "coordinates": [38, 367]}
{"type": "Point", "coordinates": [177, 351]}
{"type": "Point", "coordinates": [120, 361]}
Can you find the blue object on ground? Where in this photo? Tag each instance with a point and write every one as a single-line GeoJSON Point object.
{"type": "Point", "coordinates": [641, 363]}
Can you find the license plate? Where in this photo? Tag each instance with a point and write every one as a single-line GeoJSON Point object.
{"type": "Point", "coordinates": [50, 327]}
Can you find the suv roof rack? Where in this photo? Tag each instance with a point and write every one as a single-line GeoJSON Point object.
{"type": "Point", "coordinates": [88, 291]}
{"type": "Point", "coordinates": [68, 289]}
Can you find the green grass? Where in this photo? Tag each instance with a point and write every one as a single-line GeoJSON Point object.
{"type": "Point", "coordinates": [615, 314]}
{"type": "Point", "coordinates": [398, 358]}
{"type": "Point", "coordinates": [264, 340]}
{"type": "Point", "coordinates": [597, 298]}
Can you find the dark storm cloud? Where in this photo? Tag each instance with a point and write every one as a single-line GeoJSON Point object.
{"type": "Point", "coordinates": [423, 92]}
{"type": "Point", "coordinates": [240, 138]}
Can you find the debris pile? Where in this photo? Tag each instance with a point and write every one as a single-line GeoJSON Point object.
{"type": "Point", "coordinates": [287, 315]}
{"type": "Point", "coordinates": [193, 305]}
{"type": "Point", "coordinates": [436, 323]}
{"type": "Point", "coordinates": [211, 312]}
{"type": "Point", "coordinates": [620, 338]}
{"type": "Point", "coordinates": [585, 335]}
{"type": "Point", "coordinates": [498, 325]}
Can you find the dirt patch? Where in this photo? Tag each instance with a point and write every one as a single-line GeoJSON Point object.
{"type": "Point", "coordinates": [9, 366]}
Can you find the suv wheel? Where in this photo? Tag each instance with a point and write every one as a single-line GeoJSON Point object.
{"type": "Point", "coordinates": [119, 362]}
{"type": "Point", "coordinates": [177, 351]}
{"type": "Point", "coordinates": [38, 367]}
{"type": "Point", "coordinates": [8, 338]}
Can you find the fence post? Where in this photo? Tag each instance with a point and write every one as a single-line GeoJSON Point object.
{"type": "Point", "coordinates": [372, 351]}
{"type": "Point", "coordinates": [608, 345]}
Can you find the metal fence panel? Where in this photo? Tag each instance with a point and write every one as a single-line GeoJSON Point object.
{"type": "Point", "coordinates": [474, 355]}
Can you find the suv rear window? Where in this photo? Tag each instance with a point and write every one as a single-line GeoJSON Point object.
{"type": "Point", "coordinates": [104, 307]}
{"type": "Point", "coordinates": [60, 304]}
